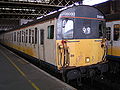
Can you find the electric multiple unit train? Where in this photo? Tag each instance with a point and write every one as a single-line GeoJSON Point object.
{"type": "Point", "coordinates": [113, 37]}
{"type": "Point", "coordinates": [70, 41]}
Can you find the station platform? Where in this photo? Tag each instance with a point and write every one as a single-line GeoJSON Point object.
{"type": "Point", "coordinates": [18, 74]}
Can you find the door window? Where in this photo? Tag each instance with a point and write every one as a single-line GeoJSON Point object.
{"type": "Point", "coordinates": [14, 36]}
{"type": "Point", "coordinates": [26, 36]}
{"type": "Point", "coordinates": [35, 35]}
{"type": "Point", "coordinates": [108, 33]}
{"type": "Point", "coordinates": [41, 37]}
{"type": "Point", "coordinates": [116, 32]}
{"type": "Point", "coordinates": [30, 32]}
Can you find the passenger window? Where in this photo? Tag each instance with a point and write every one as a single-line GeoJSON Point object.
{"type": "Point", "coordinates": [41, 37]}
{"type": "Point", "coordinates": [20, 36]}
{"type": "Point", "coordinates": [51, 32]}
{"type": "Point", "coordinates": [116, 32]}
{"type": "Point", "coordinates": [10, 37]}
{"type": "Point", "coordinates": [108, 33]}
{"type": "Point", "coordinates": [32, 36]}
{"type": "Point", "coordinates": [29, 35]}
{"type": "Point", "coordinates": [26, 36]}
{"type": "Point", "coordinates": [35, 35]}
{"type": "Point", "coordinates": [14, 36]}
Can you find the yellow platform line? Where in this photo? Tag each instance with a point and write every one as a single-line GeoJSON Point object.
{"type": "Point", "coordinates": [21, 72]}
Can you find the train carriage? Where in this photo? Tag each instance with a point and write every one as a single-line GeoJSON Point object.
{"type": "Point", "coordinates": [113, 37]}
{"type": "Point", "coordinates": [70, 41]}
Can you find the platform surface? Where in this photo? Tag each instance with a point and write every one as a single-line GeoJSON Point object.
{"type": "Point", "coordinates": [18, 74]}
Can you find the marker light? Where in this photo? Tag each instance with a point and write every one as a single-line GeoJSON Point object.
{"type": "Point", "coordinates": [87, 59]}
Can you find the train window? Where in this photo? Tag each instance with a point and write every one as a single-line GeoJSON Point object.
{"type": "Point", "coordinates": [17, 36]}
{"type": "Point", "coordinates": [24, 36]}
{"type": "Point", "coordinates": [108, 33]}
{"type": "Point", "coordinates": [14, 36]}
{"type": "Point", "coordinates": [29, 35]}
{"type": "Point", "coordinates": [35, 35]}
{"type": "Point", "coordinates": [101, 28]}
{"type": "Point", "coordinates": [116, 32]}
{"type": "Point", "coordinates": [67, 29]}
{"type": "Point", "coordinates": [26, 39]}
{"type": "Point", "coordinates": [20, 36]}
{"type": "Point", "coordinates": [32, 36]}
{"type": "Point", "coordinates": [8, 37]}
{"type": "Point", "coordinates": [11, 36]}
{"type": "Point", "coordinates": [51, 32]}
{"type": "Point", "coordinates": [41, 37]}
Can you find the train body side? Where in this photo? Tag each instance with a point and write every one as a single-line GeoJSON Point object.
{"type": "Point", "coordinates": [113, 36]}
{"type": "Point", "coordinates": [42, 49]}
{"type": "Point", "coordinates": [113, 28]}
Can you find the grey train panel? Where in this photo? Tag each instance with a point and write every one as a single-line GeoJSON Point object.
{"type": "Point", "coordinates": [86, 25]}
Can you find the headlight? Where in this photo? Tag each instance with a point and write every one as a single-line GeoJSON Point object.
{"type": "Point", "coordinates": [87, 59]}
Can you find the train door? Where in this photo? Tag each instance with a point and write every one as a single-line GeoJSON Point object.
{"type": "Point", "coordinates": [41, 44]}
{"type": "Point", "coordinates": [34, 41]}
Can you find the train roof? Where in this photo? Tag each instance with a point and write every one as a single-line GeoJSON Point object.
{"type": "Point", "coordinates": [49, 16]}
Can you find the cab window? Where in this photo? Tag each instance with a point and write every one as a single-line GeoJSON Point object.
{"type": "Point", "coordinates": [102, 29]}
{"type": "Point", "coordinates": [67, 28]}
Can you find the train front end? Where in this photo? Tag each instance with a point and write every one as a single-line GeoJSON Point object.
{"type": "Point", "coordinates": [80, 44]}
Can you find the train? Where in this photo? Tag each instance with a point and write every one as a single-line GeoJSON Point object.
{"type": "Point", "coordinates": [113, 42]}
{"type": "Point", "coordinates": [70, 41]}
